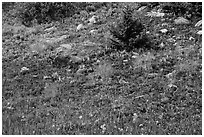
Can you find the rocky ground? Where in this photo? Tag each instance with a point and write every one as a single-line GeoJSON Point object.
{"type": "Point", "coordinates": [57, 78]}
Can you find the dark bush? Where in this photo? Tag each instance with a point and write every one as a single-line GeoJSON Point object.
{"type": "Point", "coordinates": [43, 12]}
{"type": "Point", "coordinates": [128, 34]}
{"type": "Point", "coordinates": [183, 8]}
{"type": "Point", "coordinates": [6, 6]}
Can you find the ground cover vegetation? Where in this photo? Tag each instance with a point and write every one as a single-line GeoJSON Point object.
{"type": "Point", "coordinates": [101, 68]}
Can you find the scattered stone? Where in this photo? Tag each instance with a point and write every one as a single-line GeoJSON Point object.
{"type": "Point", "coordinates": [89, 43]}
{"type": "Point", "coordinates": [38, 47]}
{"type": "Point", "coordinates": [165, 24]}
{"type": "Point", "coordinates": [55, 76]}
{"type": "Point", "coordinates": [61, 38]}
{"type": "Point", "coordinates": [24, 70]}
{"type": "Point", "coordinates": [35, 76]}
{"type": "Point", "coordinates": [32, 30]}
{"type": "Point", "coordinates": [181, 20]}
{"type": "Point", "coordinates": [93, 19]}
{"type": "Point", "coordinates": [90, 8]}
{"type": "Point", "coordinates": [134, 56]}
{"type": "Point", "coordinates": [67, 46]}
{"type": "Point", "coordinates": [164, 99]}
{"type": "Point", "coordinates": [134, 118]}
{"type": "Point", "coordinates": [171, 40]}
{"type": "Point", "coordinates": [76, 59]}
{"type": "Point", "coordinates": [199, 23]}
{"type": "Point", "coordinates": [93, 31]}
{"type": "Point", "coordinates": [80, 26]}
{"type": "Point", "coordinates": [18, 29]}
{"type": "Point", "coordinates": [171, 75]}
{"type": "Point", "coordinates": [121, 81]}
{"type": "Point", "coordinates": [52, 41]}
{"type": "Point", "coordinates": [163, 31]}
{"type": "Point", "coordinates": [191, 38]}
{"type": "Point", "coordinates": [47, 77]}
{"type": "Point", "coordinates": [89, 24]}
{"type": "Point", "coordinates": [161, 45]}
{"type": "Point", "coordinates": [155, 14]}
{"type": "Point", "coordinates": [50, 90]}
{"type": "Point", "coordinates": [62, 52]}
{"type": "Point", "coordinates": [172, 85]}
{"type": "Point", "coordinates": [50, 29]}
{"type": "Point", "coordinates": [81, 69]}
{"type": "Point", "coordinates": [142, 8]}
{"type": "Point", "coordinates": [148, 32]}
{"type": "Point", "coordinates": [98, 61]}
{"type": "Point", "coordinates": [152, 74]}
{"type": "Point", "coordinates": [84, 13]}
{"type": "Point", "coordinates": [199, 32]}
{"type": "Point", "coordinates": [162, 20]}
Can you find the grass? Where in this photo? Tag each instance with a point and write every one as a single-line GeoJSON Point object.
{"type": "Point", "coordinates": [156, 92]}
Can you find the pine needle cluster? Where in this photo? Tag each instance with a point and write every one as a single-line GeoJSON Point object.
{"type": "Point", "coordinates": [127, 34]}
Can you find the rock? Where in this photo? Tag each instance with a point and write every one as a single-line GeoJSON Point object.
{"type": "Point", "coordinates": [80, 26]}
{"type": "Point", "coordinates": [93, 31]}
{"type": "Point", "coordinates": [55, 40]}
{"type": "Point", "coordinates": [163, 31]}
{"type": "Point", "coordinates": [24, 70]}
{"type": "Point", "coordinates": [67, 46]}
{"type": "Point", "coordinates": [62, 52]}
{"type": "Point", "coordinates": [155, 14]}
{"type": "Point", "coordinates": [165, 24]}
{"type": "Point", "coordinates": [181, 20]}
{"type": "Point", "coordinates": [50, 90]}
{"type": "Point", "coordinates": [199, 32]}
{"type": "Point", "coordinates": [18, 29]}
{"type": "Point", "coordinates": [84, 13]}
{"type": "Point", "coordinates": [161, 45]}
{"type": "Point", "coordinates": [38, 47]}
{"type": "Point", "coordinates": [135, 118]}
{"type": "Point", "coordinates": [89, 24]}
{"type": "Point", "coordinates": [90, 8]}
{"type": "Point", "coordinates": [50, 29]}
{"type": "Point", "coordinates": [93, 19]}
{"type": "Point", "coordinates": [171, 40]}
{"type": "Point", "coordinates": [199, 23]}
{"type": "Point", "coordinates": [60, 38]}
{"type": "Point", "coordinates": [164, 99]}
{"type": "Point", "coordinates": [142, 8]}
{"type": "Point", "coordinates": [76, 59]}
{"type": "Point", "coordinates": [56, 77]}
{"type": "Point", "coordinates": [148, 32]}
{"type": "Point", "coordinates": [162, 20]}
{"type": "Point", "coordinates": [47, 77]}
{"type": "Point", "coordinates": [121, 81]}
{"type": "Point", "coordinates": [81, 69]}
{"type": "Point", "coordinates": [88, 43]}
{"type": "Point", "coordinates": [191, 38]}
{"type": "Point", "coordinates": [32, 30]}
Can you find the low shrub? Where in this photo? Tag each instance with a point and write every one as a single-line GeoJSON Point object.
{"type": "Point", "coordinates": [42, 12]}
{"type": "Point", "coordinates": [183, 8]}
{"type": "Point", "coordinates": [6, 6]}
{"type": "Point", "coordinates": [128, 34]}
{"type": "Point", "coordinates": [104, 70]}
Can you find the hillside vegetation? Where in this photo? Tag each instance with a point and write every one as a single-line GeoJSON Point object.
{"type": "Point", "coordinates": [102, 68]}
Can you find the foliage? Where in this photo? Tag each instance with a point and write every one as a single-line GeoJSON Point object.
{"type": "Point", "coordinates": [7, 6]}
{"type": "Point", "coordinates": [183, 8]}
{"type": "Point", "coordinates": [128, 34]}
{"type": "Point", "coordinates": [43, 12]}
{"type": "Point", "coordinates": [82, 90]}
{"type": "Point", "coordinates": [104, 70]}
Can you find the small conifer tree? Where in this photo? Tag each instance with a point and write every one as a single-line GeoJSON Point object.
{"type": "Point", "coordinates": [128, 33]}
